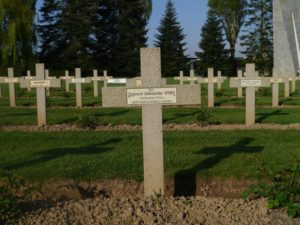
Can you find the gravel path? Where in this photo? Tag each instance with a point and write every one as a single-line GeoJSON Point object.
{"type": "Point", "coordinates": [198, 210]}
{"type": "Point", "coordinates": [167, 127]}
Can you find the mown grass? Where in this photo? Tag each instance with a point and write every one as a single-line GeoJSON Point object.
{"type": "Point", "coordinates": [109, 155]}
{"type": "Point", "coordinates": [224, 97]}
{"type": "Point", "coordinates": [132, 116]}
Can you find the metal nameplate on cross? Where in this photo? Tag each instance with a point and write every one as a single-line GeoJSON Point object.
{"type": "Point", "coordinates": [151, 95]}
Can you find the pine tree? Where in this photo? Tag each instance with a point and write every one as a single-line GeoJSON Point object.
{"type": "Point", "coordinates": [131, 36]}
{"type": "Point", "coordinates": [105, 33]}
{"type": "Point", "coordinates": [171, 41]}
{"type": "Point", "coordinates": [258, 39]}
{"type": "Point", "coordinates": [212, 44]}
{"type": "Point", "coordinates": [76, 24]}
{"type": "Point", "coordinates": [51, 33]}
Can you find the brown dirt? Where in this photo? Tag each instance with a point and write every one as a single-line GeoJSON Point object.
{"type": "Point", "coordinates": [166, 127]}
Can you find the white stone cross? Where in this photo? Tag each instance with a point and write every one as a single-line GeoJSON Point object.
{"type": "Point", "coordinates": [78, 81]}
{"type": "Point", "coordinates": [95, 79]}
{"type": "Point", "coordinates": [182, 78]}
{"type": "Point", "coordinates": [275, 81]}
{"type": "Point", "coordinates": [40, 83]}
{"type": "Point", "coordinates": [251, 81]}
{"type": "Point", "coordinates": [210, 80]}
{"type": "Point", "coordinates": [28, 77]}
{"type": "Point", "coordinates": [48, 78]}
{"type": "Point", "coordinates": [11, 80]}
{"type": "Point", "coordinates": [221, 80]}
{"type": "Point", "coordinates": [67, 78]}
{"type": "Point", "coordinates": [151, 96]}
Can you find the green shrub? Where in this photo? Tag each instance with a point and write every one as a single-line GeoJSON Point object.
{"type": "Point", "coordinates": [284, 190]}
{"type": "Point", "coordinates": [87, 122]}
{"type": "Point", "coordinates": [205, 118]}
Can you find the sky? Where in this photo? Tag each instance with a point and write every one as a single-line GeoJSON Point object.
{"type": "Point", "coordinates": [191, 14]}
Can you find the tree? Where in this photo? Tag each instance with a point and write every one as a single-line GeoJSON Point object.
{"type": "Point", "coordinates": [171, 41]}
{"type": "Point", "coordinates": [76, 25]}
{"type": "Point", "coordinates": [131, 36]}
{"type": "Point", "coordinates": [232, 14]}
{"type": "Point", "coordinates": [212, 44]}
{"type": "Point", "coordinates": [258, 39]}
{"type": "Point", "coordinates": [17, 33]}
{"type": "Point", "coordinates": [105, 34]}
{"type": "Point", "coordinates": [51, 33]}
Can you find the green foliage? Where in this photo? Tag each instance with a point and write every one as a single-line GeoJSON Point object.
{"type": "Point", "coordinates": [12, 193]}
{"type": "Point", "coordinates": [284, 190]}
{"type": "Point", "coordinates": [232, 14]}
{"type": "Point", "coordinates": [213, 54]}
{"type": "Point", "coordinates": [205, 118]}
{"type": "Point", "coordinates": [17, 35]}
{"type": "Point", "coordinates": [258, 39]}
{"type": "Point", "coordinates": [87, 122]}
{"type": "Point", "coordinates": [170, 39]}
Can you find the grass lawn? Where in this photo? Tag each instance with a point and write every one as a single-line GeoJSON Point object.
{"type": "Point", "coordinates": [104, 116]}
{"type": "Point", "coordinates": [224, 97]}
{"type": "Point", "coordinates": [108, 155]}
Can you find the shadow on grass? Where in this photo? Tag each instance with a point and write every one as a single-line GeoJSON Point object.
{"type": "Point", "coordinates": [185, 180]}
{"type": "Point", "coordinates": [180, 116]}
{"type": "Point", "coordinates": [263, 116]}
{"type": "Point", "coordinates": [56, 153]}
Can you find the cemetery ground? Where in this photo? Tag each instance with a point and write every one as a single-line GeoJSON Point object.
{"type": "Point", "coordinates": [96, 152]}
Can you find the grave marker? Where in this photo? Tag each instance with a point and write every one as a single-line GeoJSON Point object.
{"type": "Point", "coordinates": [78, 81]}
{"type": "Point", "coordinates": [276, 80]}
{"type": "Point", "coordinates": [28, 77]}
{"type": "Point", "coordinates": [95, 79]}
{"type": "Point", "coordinates": [151, 96]}
{"type": "Point", "coordinates": [67, 78]}
{"type": "Point", "coordinates": [251, 81]}
{"type": "Point", "coordinates": [40, 83]}
{"type": "Point", "coordinates": [221, 80]}
{"type": "Point", "coordinates": [11, 80]}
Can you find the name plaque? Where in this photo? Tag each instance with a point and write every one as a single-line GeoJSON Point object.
{"type": "Point", "coordinates": [276, 80]}
{"type": "Point", "coordinates": [117, 81]}
{"type": "Point", "coordinates": [78, 80]}
{"type": "Point", "coordinates": [148, 96]}
{"type": "Point", "coordinates": [96, 79]}
{"type": "Point", "coordinates": [28, 78]}
{"type": "Point", "coordinates": [211, 80]}
{"type": "Point", "coordinates": [40, 83]}
{"type": "Point", "coordinates": [10, 80]}
{"type": "Point", "coordinates": [250, 83]}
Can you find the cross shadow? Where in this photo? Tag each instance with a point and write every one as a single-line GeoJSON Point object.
{"type": "Point", "coordinates": [286, 100]}
{"type": "Point", "coordinates": [55, 153]}
{"type": "Point", "coordinates": [185, 181]}
{"type": "Point", "coordinates": [180, 115]}
{"type": "Point", "coordinates": [263, 116]}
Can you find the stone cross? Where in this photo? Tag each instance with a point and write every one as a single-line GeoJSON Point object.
{"type": "Point", "coordinates": [95, 79]}
{"type": "Point", "coordinates": [221, 79]}
{"type": "Point", "coordinates": [67, 78]}
{"type": "Point", "coordinates": [275, 80]}
{"type": "Point", "coordinates": [210, 80]}
{"type": "Point", "coordinates": [78, 81]}
{"type": "Point", "coordinates": [11, 80]}
{"type": "Point", "coordinates": [48, 78]}
{"type": "Point", "coordinates": [28, 77]}
{"type": "Point", "coordinates": [151, 96]}
{"type": "Point", "coordinates": [181, 78]}
{"type": "Point", "coordinates": [250, 82]}
{"type": "Point", "coordinates": [40, 83]}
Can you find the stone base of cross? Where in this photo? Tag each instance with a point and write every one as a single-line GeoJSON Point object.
{"type": "Point", "coordinates": [151, 95]}
{"type": "Point", "coordinates": [251, 81]}
{"type": "Point", "coordinates": [41, 83]}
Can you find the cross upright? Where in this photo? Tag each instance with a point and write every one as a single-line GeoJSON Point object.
{"type": "Point", "coordinates": [95, 79]}
{"type": "Point", "coordinates": [78, 81]}
{"type": "Point", "coordinates": [182, 78]}
{"type": "Point", "coordinates": [251, 81]}
{"type": "Point", "coordinates": [11, 80]}
{"type": "Point", "coordinates": [40, 83]}
{"type": "Point", "coordinates": [275, 81]}
{"type": "Point", "coordinates": [67, 78]}
{"type": "Point", "coordinates": [210, 80]}
{"type": "Point", "coordinates": [151, 95]}
{"type": "Point", "coordinates": [221, 79]}
{"type": "Point", "coordinates": [28, 77]}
